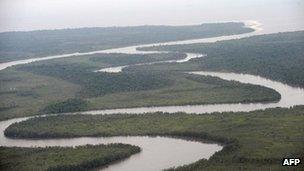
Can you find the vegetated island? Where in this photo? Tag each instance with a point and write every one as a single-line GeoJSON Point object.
{"type": "Point", "coordinates": [256, 140]}
{"type": "Point", "coordinates": [64, 158]}
{"type": "Point", "coordinates": [70, 84]}
{"type": "Point", "coordinates": [276, 56]}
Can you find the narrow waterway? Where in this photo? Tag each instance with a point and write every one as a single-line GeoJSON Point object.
{"type": "Point", "coordinates": [163, 152]}
{"type": "Point", "coordinates": [157, 152]}
{"type": "Point", "coordinates": [133, 49]}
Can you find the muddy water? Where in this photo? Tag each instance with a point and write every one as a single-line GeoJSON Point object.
{"type": "Point", "coordinates": [163, 152]}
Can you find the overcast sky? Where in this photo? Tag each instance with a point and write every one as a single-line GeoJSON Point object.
{"type": "Point", "coordinates": [53, 14]}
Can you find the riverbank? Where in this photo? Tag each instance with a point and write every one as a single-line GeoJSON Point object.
{"type": "Point", "coordinates": [63, 158]}
{"type": "Point", "coordinates": [276, 56]}
{"type": "Point", "coordinates": [232, 128]}
{"type": "Point", "coordinates": [255, 140]}
{"type": "Point", "coordinates": [48, 87]}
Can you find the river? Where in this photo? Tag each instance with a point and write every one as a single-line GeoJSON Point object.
{"type": "Point", "coordinates": [163, 152]}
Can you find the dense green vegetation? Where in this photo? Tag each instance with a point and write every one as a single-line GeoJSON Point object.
{"type": "Point", "coordinates": [276, 56]}
{"type": "Point", "coordinates": [114, 90]}
{"type": "Point", "coordinates": [63, 158]}
{"type": "Point", "coordinates": [188, 89]}
{"type": "Point", "coordinates": [23, 93]}
{"type": "Point", "coordinates": [70, 105]}
{"type": "Point", "coordinates": [100, 83]}
{"type": "Point", "coordinates": [22, 45]}
{"type": "Point", "coordinates": [255, 140]}
{"type": "Point", "coordinates": [125, 89]}
{"type": "Point", "coordinates": [43, 87]}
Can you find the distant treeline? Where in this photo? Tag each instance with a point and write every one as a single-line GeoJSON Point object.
{"type": "Point", "coordinates": [79, 158]}
{"type": "Point", "coordinates": [22, 45]}
{"type": "Point", "coordinates": [276, 56]}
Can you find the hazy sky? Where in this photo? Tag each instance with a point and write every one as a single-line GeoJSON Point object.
{"type": "Point", "coordinates": [51, 14]}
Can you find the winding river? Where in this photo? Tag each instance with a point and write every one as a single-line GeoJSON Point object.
{"type": "Point", "coordinates": [163, 152]}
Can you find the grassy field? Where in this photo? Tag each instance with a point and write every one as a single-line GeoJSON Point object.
{"type": "Point", "coordinates": [24, 93]}
{"type": "Point", "coordinates": [255, 140]}
{"type": "Point", "coordinates": [63, 158]}
{"type": "Point", "coordinates": [188, 89]}
{"type": "Point", "coordinates": [50, 86]}
{"type": "Point", "coordinates": [276, 56]}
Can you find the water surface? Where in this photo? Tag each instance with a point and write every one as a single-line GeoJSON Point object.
{"type": "Point", "coordinates": [157, 152]}
{"type": "Point", "coordinates": [163, 152]}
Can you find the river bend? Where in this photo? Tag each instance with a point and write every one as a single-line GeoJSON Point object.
{"type": "Point", "coordinates": [162, 152]}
